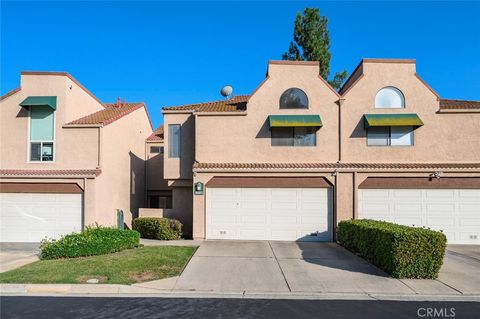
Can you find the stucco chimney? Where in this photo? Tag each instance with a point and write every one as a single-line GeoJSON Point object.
{"type": "Point", "coordinates": [118, 101]}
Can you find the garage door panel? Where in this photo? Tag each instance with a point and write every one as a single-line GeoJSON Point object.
{"type": "Point", "coordinates": [269, 213]}
{"type": "Point", "coordinates": [408, 209]}
{"type": "Point", "coordinates": [252, 233]}
{"type": "Point", "coordinates": [469, 208]}
{"type": "Point", "coordinates": [443, 194]}
{"type": "Point", "coordinates": [470, 194]}
{"type": "Point", "coordinates": [254, 219]}
{"type": "Point", "coordinates": [440, 208]}
{"type": "Point", "coordinates": [440, 222]}
{"type": "Point", "coordinates": [454, 211]}
{"type": "Point", "coordinates": [376, 208]}
{"type": "Point", "coordinates": [470, 222]}
{"type": "Point", "coordinates": [412, 195]}
{"type": "Point", "coordinates": [30, 217]}
{"type": "Point", "coordinates": [283, 219]}
{"type": "Point", "coordinates": [253, 204]}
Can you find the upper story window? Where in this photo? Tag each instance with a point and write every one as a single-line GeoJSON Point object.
{"type": "Point", "coordinates": [156, 149]}
{"type": "Point", "coordinates": [294, 98]}
{"type": "Point", "coordinates": [389, 98]}
{"type": "Point", "coordinates": [390, 136]}
{"type": "Point", "coordinates": [294, 136]}
{"type": "Point", "coordinates": [41, 133]}
{"type": "Point", "coordinates": [174, 140]}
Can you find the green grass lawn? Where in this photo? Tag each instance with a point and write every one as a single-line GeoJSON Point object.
{"type": "Point", "coordinates": [125, 267]}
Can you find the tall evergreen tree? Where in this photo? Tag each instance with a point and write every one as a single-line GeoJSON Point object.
{"type": "Point", "coordinates": [311, 42]}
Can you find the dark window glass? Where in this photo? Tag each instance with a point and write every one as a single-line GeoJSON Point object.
{"type": "Point", "coordinates": [174, 138]}
{"type": "Point", "coordinates": [294, 136]}
{"type": "Point", "coordinates": [156, 149]}
{"type": "Point", "coordinates": [35, 151]}
{"type": "Point", "coordinates": [282, 136]}
{"type": "Point", "coordinates": [294, 99]}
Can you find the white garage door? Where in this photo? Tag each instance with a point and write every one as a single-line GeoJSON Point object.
{"type": "Point", "coordinates": [30, 217]}
{"type": "Point", "coordinates": [454, 211]}
{"type": "Point", "coordinates": [269, 214]}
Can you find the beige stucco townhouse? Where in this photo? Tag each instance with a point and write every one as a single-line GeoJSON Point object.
{"type": "Point", "coordinates": [292, 159]}
{"type": "Point", "coordinates": [67, 159]}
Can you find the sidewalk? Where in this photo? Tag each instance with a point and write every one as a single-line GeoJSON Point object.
{"type": "Point", "coordinates": [141, 290]}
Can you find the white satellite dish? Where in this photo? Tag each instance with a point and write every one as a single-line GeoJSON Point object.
{"type": "Point", "coordinates": [227, 91]}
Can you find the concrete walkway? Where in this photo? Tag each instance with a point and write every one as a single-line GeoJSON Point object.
{"type": "Point", "coordinates": [14, 255]}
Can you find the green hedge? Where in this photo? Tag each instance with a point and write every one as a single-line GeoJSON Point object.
{"type": "Point", "coordinates": [158, 228]}
{"type": "Point", "coordinates": [401, 251]}
{"type": "Point", "coordinates": [92, 241]}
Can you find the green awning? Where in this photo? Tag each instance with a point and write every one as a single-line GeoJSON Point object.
{"type": "Point", "coordinates": [392, 120]}
{"type": "Point", "coordinates": [295, 121]}
{"type": "Point", "coordinates": [50, 101]}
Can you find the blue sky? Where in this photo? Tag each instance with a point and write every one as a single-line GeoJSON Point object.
{"type": "Point", "coordinates": [172, 53]}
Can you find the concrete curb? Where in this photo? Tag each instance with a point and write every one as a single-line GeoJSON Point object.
{"type": "Point", "coordinates": [96, 290]}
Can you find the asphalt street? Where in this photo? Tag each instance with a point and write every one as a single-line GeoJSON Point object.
{"type": "Point", "coordinates": [112, 307]}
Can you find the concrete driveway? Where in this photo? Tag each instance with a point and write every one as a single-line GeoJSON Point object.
{"type": "Point", "coordinates": [14, 255]}
{"type": "Point", "coordinates": [262, 266]}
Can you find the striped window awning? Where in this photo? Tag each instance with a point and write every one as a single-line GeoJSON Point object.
{"type": "Point", "coordinates": [308, 120]}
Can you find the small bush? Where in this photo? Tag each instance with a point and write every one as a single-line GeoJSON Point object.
{"type": "Point", "coordinates": [158, 228]}
{"type": "Point", "coordinates": [401, 251]}
{"type": "Point", "coordinates": [92, 241]}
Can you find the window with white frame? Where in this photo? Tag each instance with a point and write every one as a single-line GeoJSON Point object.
{"type": "Point", "coordinates": [390, 136]}
{"type": "Point", "coordinates": [389, 98]}
{"type": "Point", "coordinates": [41, 134]}
{"type": "Point", "coordinates": [174, 140]}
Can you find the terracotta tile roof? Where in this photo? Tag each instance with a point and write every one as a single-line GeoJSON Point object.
{"type": "Point", "coordinates": [110, 114]}
{"type": "Point", "coordinates": [235, 104]}
{"type": "Point", "coordinates": [157, 135]}
{"type": "Point", "coordinates": [12, 92]}
{"type": "Point", "coordinates": [49, 172]}
{"type": "Point", "coordinates": [336, 166]}
{"type": "Point", "coordinates": [459, 104]}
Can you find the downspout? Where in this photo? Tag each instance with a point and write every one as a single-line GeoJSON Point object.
{"type": "Point", "coordinates": [355, 199]}
{"type": "Point", "coordinates": [100, 138]}
{"type": "Point", "coordinates": [334, 206]}
{"type": "Point", "coordinates": [340, 103]}
{"type": "Point", "coordinates": [83, 202]}
{"type": "Point", "coordinates": [145, 174]}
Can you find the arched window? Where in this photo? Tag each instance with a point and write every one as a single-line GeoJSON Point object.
{"type": "Point", "coordinates": [294, 98]}
{"type": "Point", "coordinates": [389, 98]}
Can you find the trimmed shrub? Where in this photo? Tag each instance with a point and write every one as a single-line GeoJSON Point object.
{"type": "Point", "coordinates": [401, 251]}
{"type": "Point", "coordinates": [158, 228]}
{"type": "Point", "coordinates": [92, 241]}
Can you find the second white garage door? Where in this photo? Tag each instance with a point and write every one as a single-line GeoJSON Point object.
{"type": "Point", "coordinates": [30, 217]}
{"type": "Point", "coordinates": [269, 214]}
{"type": "Point", "coordinates": [454, 211]}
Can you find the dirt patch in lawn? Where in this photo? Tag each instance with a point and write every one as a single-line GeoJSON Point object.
{"type": "Point", "coordinates": [83, 279]}
{"type": "Point", "coordinates": [143, 276]}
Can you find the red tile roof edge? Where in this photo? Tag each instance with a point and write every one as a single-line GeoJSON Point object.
{"type": "Point", "coordinates": [10, 93]}
{"type": "Point", "coordinates": [154, 136]}
{"type": "Point", "coordinates": [50, 172]}
{"type": "Point", "coordinates": [459, 104]}
{"type": "Point", "coordinates": [335, 165]}
{"type": "Point", "coordinates": [106, 122]}
{"type": "Point", "coordinates": [191, 107]}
